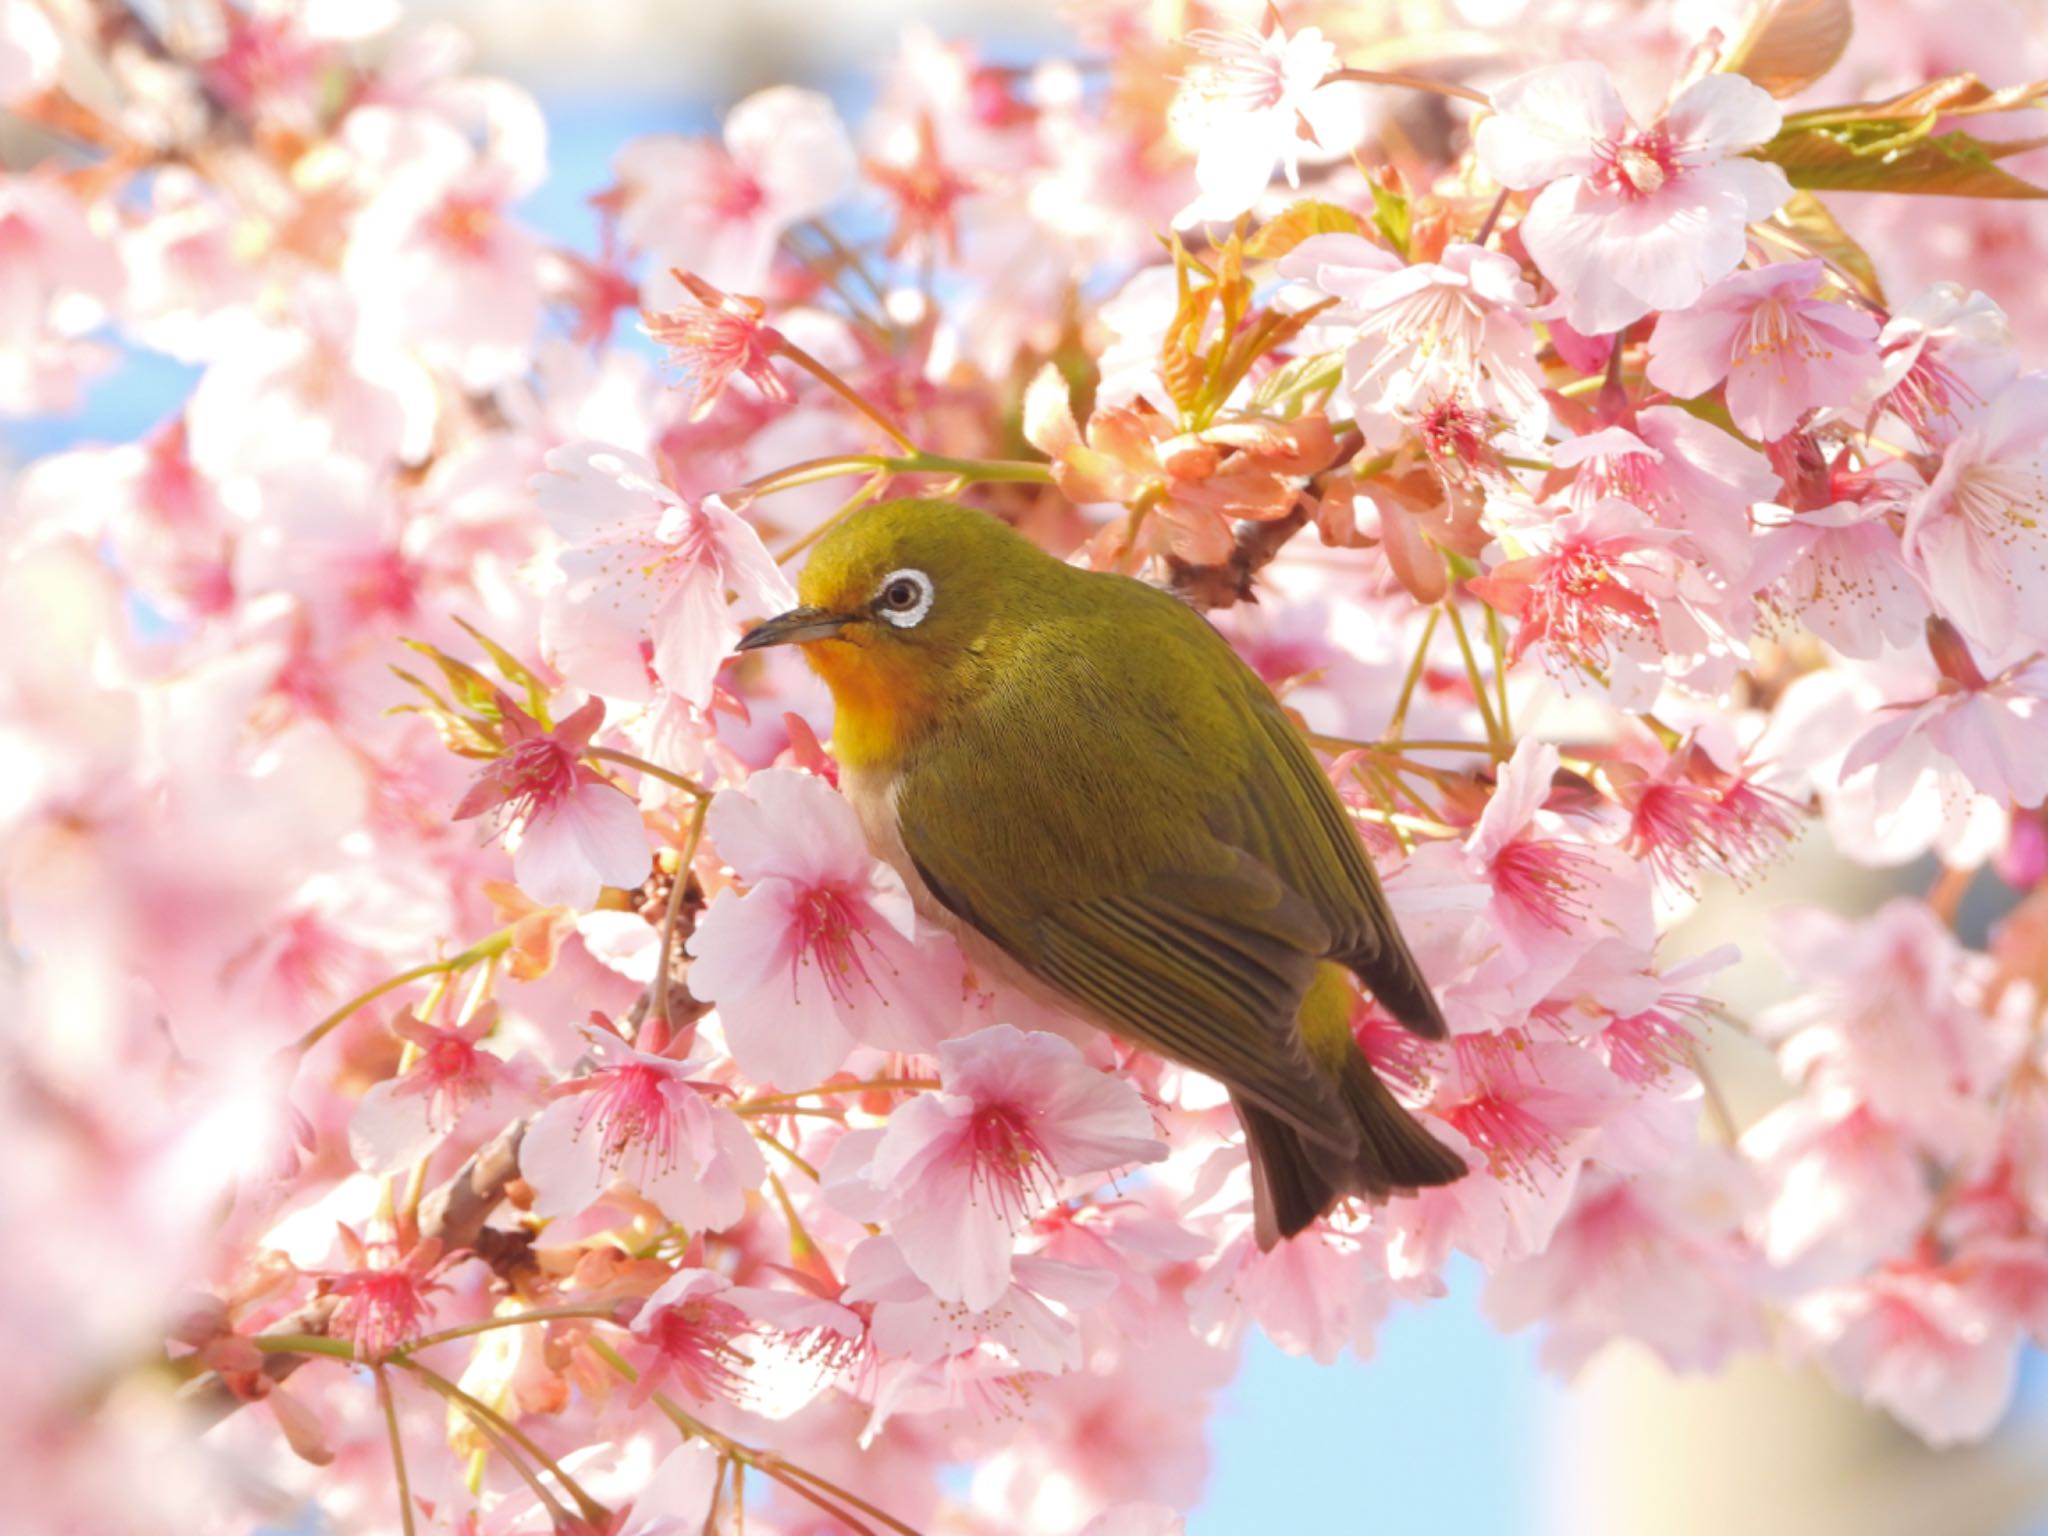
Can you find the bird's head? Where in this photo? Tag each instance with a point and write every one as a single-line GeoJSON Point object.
{"type": "Point", "coordinates": [900, 602]}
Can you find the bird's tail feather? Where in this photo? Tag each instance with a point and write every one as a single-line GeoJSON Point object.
{"type": "Point", "coordinates": [1295, 1180]}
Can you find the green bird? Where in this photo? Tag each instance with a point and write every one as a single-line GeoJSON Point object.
{"type": "Point", "coordinates": [1081, 779]}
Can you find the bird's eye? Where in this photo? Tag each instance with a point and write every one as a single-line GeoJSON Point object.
{"type": "Point", "coordinates": [904, 598]}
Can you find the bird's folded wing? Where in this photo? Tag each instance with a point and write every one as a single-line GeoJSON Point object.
{"type": "Point", "coordinates": [1205, 964]}
{"type": "Point", "coordinates": [1291, 820]}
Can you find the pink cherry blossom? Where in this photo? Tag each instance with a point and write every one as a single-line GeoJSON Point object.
{"type": "Point", "coordinates": [1888, 1013]}
{"type": "Point", "coordinates": [1783, 352]}
{"type": "Point", "coordinates": [403, 1118]}
{"type": "Point", "coordinates": [642, 563]}
{"type": "Point", "coordinates": [1914, 1342]}
{"type": "Point", "coordinates": [1945, 350]}
{"type": "Point", "coordinates": [1838, 570]}
{"type": "Point", "coordinates": [1694, 816]}
{"type": "Point", "coordinates": [1455, 328]}
{"type": "Point", "coordinates": [718, 210]}
{"type": "Point", "coordinates": [1320, 1294]}
{"type": "Point", "coordinates": [61, 276]}
{"type": "Point", "coordinates": [1655, 1258]}
{"type": "Point", "coordinates": [958, 1173]}
{"type": "Point", "coordinates": [437, 257]}
{"type": "Point", "coordinates": [1026, 1321]}
{"type": "Point", "coordinates": [386, 1296]}
{"type": "Point", "coordinates": [1587, 586]}
{"type": "Point", "coordinates": [1684, 474]}
{"type": "Point", "coordinates": [1846, 1189]}
{"type": "Point", "coordinates": [644, 1121]}
{"type": "Point", "coordinates": [317, 382]}
{"type": "Point", "coordinates": [1990, 731]}
{"type": "Point", "coordinates": [1249, 101]}
{"type": "Point", "coordinates": [1631, 219]}
{"type": "Point", "coordinates": [1977, 536]}
{"type": "Point", "coordinates": [820, 952]}
{"type": "Point", "coordinates": [576, 832]}
{"type": "Point", "coordinates": [1525, 1103]}
{"type": "Point", "coordinates": [714, 336]}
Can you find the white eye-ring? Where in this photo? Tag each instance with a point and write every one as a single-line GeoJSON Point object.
{"type": "Point", "coordinates": [904, 598]}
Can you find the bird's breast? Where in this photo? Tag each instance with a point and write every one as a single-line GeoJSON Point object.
{"type": "Point", "coordinates": [872, 793]}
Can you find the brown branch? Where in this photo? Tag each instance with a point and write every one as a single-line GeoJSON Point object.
{"type": "Point", "coordinates": [1229, 581]}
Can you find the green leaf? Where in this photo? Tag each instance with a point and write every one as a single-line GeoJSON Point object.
{"type": "Point", "coordinates": [1950, 96]}
{"type": "Point", "coordinates": [1886, 155]}
{"type": "Point", "coordinates": [1391, 217]}
{"type": "Point", "coordinates": [1286, 388]}
{"type": "Point", "coordinates": [472, 690]}
{"type": "Point", "coordinates": [513, 671]}
{"type": "Point", "coordinates": [1807, 217]}
{"type": "Point", "coordinates": [1296, 223]}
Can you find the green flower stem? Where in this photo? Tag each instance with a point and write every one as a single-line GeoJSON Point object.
{"type": "Point", "coordinates": [390, 1407]}
{"type": "Point", "coordinates": [687, 785]}
{"type": "Point", "coordinates": [483, 949]}
{"type": "Point", "coordinates": [495, 1425]}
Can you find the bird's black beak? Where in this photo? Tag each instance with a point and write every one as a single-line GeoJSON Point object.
{"type": "Point", "coordinates": [795, 627]}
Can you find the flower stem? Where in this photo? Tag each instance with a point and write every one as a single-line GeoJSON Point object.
{"type": "Point", "coordinates": [1414, 676]}
{"type": "Point", "coordinates": [390, 1407]}
{"type": "Point", "coordinates": [769, 1139]}
{"type": "Point", "coordinates": [510, 1320]}
{"type": "Point", "coordinates": [1409, 82]}
{"type": "Point", "coordinates": [845, 391]}
{"type": "Point", "coordinates": [850, 259]}
{"type": "Point", "coordinates": [664, 974]}
{"type": "Point", "coordinates": [1496, 640]}
{"type": "Point", "coordinates": [798, 1480]}
{"type": "Point", "coordinates": [1492, 218]}
{"type": "Point", "coordinates": [1480, 693]}
{"type": "Point", "coordinates": [873, 1084]}
{"type": "Point", "coordinates": [495, 1425]}
{"type": "Point", "coordinates": [483, 949]}
{"type": "Point", "coordinates": [687, 785]}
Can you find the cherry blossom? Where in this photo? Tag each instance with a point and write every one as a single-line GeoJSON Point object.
{"type": "Point", "coordinates": [819, 952]}
{"type": "Point", "coordinates": [642, 1120]}
{"type": "Point", "coordinates": [576, 833]}
{"type": "Point", "coordinates": [1783, 352]}
{"type": "Point", "coordinates": [1456, 328]}
{"type": "Point", "coordinates": [642, 561]}
{"type": "Point", "coordinates": [1917, 1344]}
{"type": "Point", "coordinates": [61, 277]}
{"type": "Point", "coordinates": [1974, 536]}
{"type": "Point", "coordinates": [715, 336]}
{"type": "Point", "coordinates": [958, 1172]}
{"type": "Point", "coordinates": [1990, 730]}
{"type": "Point", "coordinates": [386, 1296]}
{"type": "Point", "coordinates": [402, 1119]}
{"type": "Point", "coordinates": [1631, 218]}
{"type": "Point", "coordinates": [717, 210]}
{"type": "Point", "coordinates": [1249, 101]}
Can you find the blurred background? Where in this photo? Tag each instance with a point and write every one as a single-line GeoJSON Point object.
{"type": "Point", "coordinates": [1450, 1427]}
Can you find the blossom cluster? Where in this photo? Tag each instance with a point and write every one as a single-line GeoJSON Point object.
{"type": "Point", "coordinates": [465, 1069]}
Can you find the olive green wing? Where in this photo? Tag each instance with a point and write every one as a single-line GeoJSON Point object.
{"type": "Point", "coordinates": [1285, 814]}
{"type": "Point", "coordinates": [1204, 963]}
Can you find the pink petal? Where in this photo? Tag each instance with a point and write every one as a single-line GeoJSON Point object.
{"type": "Point", "coordinates": [1546, 124]}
